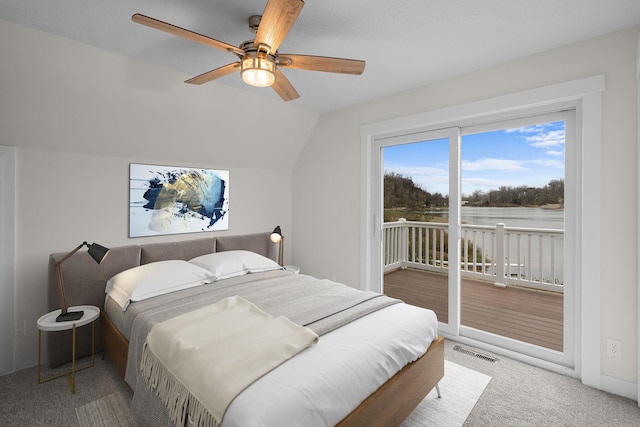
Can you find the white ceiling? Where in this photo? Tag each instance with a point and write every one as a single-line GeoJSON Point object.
{"type": "Point", "coordinates": [406, 43]}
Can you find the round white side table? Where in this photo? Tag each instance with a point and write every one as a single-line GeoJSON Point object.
{"type": "Point", "coordinates": [292, 268]}
{"type": "Point", "coordinates": [48, 323]}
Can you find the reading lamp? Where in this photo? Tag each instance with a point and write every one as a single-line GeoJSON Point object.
{"type": "Point", "coordinates": [277, 237]}
{"type": "Point", "coordinates": [98, 253]}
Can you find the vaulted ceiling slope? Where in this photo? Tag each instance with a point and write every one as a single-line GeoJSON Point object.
{"type": "Point", "coordinates": [405, 44]}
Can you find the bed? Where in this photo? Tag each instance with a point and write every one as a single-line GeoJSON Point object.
{"type": "Point", "coordinates": [334, 385]}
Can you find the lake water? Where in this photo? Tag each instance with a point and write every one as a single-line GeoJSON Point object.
{"type": "Point", "coordinates": [511, 217]}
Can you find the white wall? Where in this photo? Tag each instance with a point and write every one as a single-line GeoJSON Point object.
{"type": "Point", "coordinates": [79, 115]}
{"type": "Point", "coordinates": [326, 189]}
{"type": "Point", "coordinates": [7, 254]}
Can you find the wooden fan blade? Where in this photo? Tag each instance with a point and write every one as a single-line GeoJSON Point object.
{"type": "Point", "coordinates": [187, 34]}
{"type": "Point", "coordinates": [321, 63]}
{"type": "Point", "coordinates": [214, 74]}
{"type": "Point", "coordinates": [277, 19]}
{"type": "Point", "coordinates": [284, 88]}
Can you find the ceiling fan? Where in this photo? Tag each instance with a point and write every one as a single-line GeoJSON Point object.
{"type": "Point", "coordinates": [259, 60]}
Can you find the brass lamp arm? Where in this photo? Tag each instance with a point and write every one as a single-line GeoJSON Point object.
{"type": "Point", "coordinates": [70, 254]}
{"type": "Point", "coordinates": [61, 293]}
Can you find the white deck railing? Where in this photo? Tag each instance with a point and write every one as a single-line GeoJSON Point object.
{"type": "Point", "coordinates": [532, 257]}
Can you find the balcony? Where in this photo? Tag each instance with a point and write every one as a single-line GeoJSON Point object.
{"type": "Point", "coordinates": [520, 297]}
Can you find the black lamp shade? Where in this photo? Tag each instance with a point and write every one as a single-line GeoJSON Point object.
{"type": "Point", "coordinates": [98, 252]}
{"type": "Point", "coordinates": [276, 236]}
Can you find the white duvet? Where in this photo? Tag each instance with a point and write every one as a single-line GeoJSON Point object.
{"type": "Point", "coordinates": [322, 385]}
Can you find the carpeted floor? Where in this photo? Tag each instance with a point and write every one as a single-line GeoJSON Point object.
{"type": "Point", "coordinates": [517, 395]}
{"type": "Point", "coordinates": [109, 411]}
{"type": "Point", "coordinates": [521, 395]}
{"type": "Point", "coordinates": [461, 388]}
{"type": "Point", "coordinates": [25, 403]}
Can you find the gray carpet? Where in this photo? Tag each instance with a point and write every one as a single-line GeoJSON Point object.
{"type": "Point", "coordinates": [461, 388]}
{"type": "Point", "coordinates": [109, 411]}
{"type": "Point", "coordinates": [525, 396]}
{"type": "Point", "coordinates": [517, 395]}
{"type": "Point", "coordinates": [25, 403]}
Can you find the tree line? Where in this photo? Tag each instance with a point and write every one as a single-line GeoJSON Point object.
{"type": "Point", "coordinates": [400, 192]}
{"type": "Point", "coordinates": [550, 194]}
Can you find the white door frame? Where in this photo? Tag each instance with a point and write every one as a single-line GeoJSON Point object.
{"type": "Point", "coordinates": [585, 95]}
{"type": "Point", "coordinates": [638, 205]}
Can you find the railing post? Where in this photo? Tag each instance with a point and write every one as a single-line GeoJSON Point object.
{"type": "Point", "coordinates": [404, 242]}
{"type": "Point", "coordinates": [499, 261]}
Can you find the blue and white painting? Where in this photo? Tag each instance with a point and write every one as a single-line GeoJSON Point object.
{"type": "Point", "coordinates": [172, 200]}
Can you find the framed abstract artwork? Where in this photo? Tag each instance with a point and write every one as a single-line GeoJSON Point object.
{"type": "Point", "coordinates": [173, 200]}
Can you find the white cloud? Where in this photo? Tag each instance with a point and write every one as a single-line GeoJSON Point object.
{"type": "Point", "coordinates": [431, 179]}
{"type": "Point", "coordinates": [547, 163]}
{"type": "Point", "coordinates": [555, 153]}
{"type": "Point", "coordinates": [550, 139]}
{"type": "Point", "coordinates": [527, 129]}
{"type": "Point", "coordinates": [494, 164]}
{"type": "Point", "coordinates": [546, 137]}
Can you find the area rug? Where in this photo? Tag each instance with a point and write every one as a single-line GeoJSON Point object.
{"type": "Point", "coordinates": [109, 411]}
{"type": "Point", "coordinates": [460, 388]}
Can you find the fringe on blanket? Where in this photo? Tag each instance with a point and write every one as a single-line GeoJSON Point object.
{"type": "Point", "coordinates": [180, 403]}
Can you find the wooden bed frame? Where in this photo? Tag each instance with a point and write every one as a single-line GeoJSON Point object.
{"type": "Point", "coordinates": [387, 406]}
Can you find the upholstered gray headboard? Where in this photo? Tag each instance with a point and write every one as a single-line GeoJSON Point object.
{"type": "Point", "coordinates": [85, 281]}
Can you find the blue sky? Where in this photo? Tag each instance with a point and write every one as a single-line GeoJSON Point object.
{"type": "Point", "coordinates": [530, 155]}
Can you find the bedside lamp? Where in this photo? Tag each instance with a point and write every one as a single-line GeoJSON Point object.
{"type": "Point", "coordinates": [98, 253]}
{"type": "Point", "coordinates": [277, 237]}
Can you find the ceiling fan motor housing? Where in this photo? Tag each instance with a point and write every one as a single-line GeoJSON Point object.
{"type": "Point", "coordinates": [254, 22]}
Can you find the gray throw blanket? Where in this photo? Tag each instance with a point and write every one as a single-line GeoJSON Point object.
{"type": "Point", "coordinates": [318, 304]}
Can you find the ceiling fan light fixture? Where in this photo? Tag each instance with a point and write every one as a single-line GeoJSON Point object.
{"type": "Point", "coordinates": [258, 71]}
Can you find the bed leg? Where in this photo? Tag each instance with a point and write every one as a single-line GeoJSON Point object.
{"type": "Point", "coordinates": [438, 390]}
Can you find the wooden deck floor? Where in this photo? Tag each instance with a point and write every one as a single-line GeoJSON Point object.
{"type": "Point", "coordinates": [526, 315]}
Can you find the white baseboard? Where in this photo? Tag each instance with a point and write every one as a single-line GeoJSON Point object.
{"type": "Point", "coordinates": [620, 387]}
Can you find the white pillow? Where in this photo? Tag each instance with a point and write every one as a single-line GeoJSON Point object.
{"type": "Point", "coordinates": [153, 279]}
{"type": "Point", "coordinates": [227, 264]}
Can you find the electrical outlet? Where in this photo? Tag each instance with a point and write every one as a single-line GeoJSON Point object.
{"type": "Point", "coordinates": [614, 348]}
{"type": "Point", "coordinates": [21, 328]}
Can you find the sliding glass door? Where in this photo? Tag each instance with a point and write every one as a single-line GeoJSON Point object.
{"type": "Point", "coordinates": [420, 212]}
{"type": "Point", "coordinates": [471, 223]}
{"type": "Point", "coordinates": [513, 215]}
